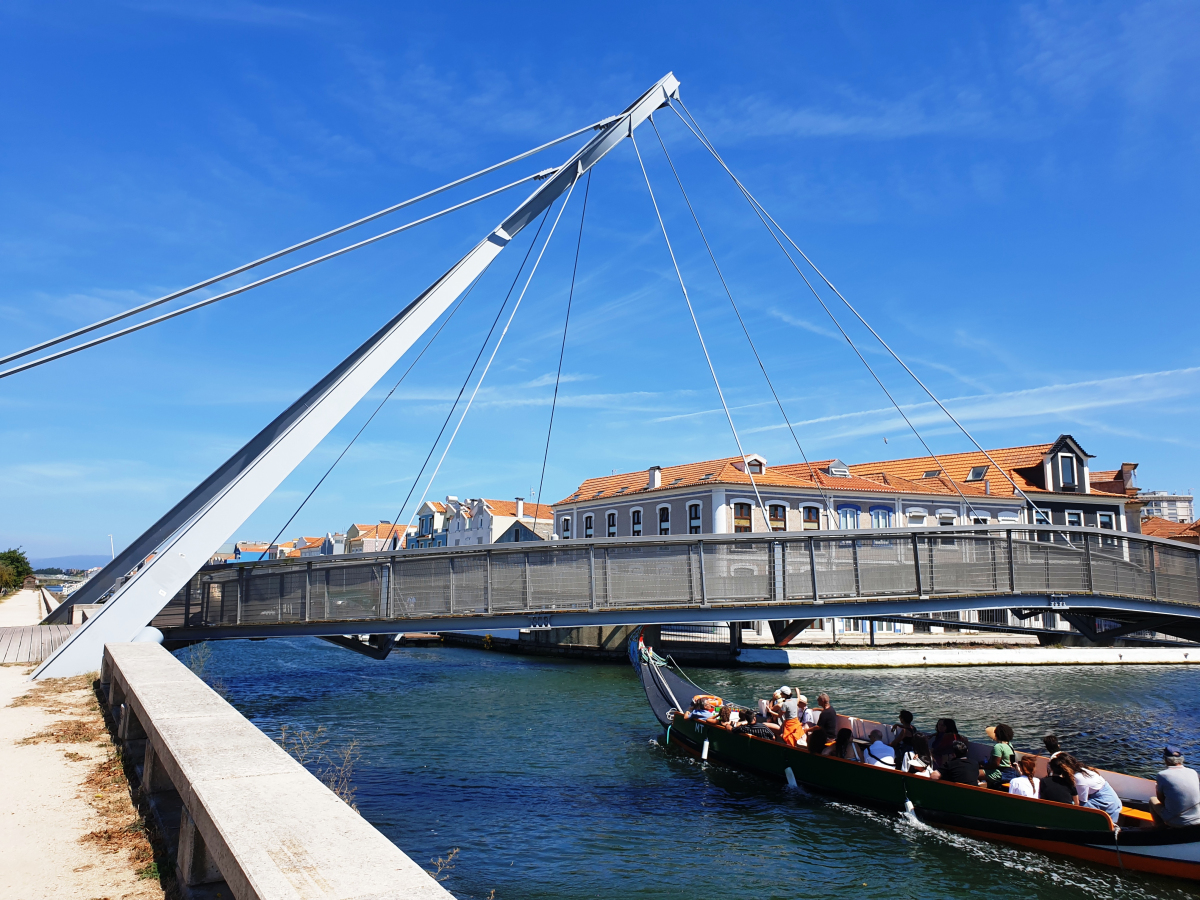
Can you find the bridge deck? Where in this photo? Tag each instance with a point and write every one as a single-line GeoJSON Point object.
{"type": "Point", "coordinates": [690, 577]}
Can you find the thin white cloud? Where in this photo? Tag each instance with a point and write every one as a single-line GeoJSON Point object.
{"type": "Point", "coordinates": [1059, 400]}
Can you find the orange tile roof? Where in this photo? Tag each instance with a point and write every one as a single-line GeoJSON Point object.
{"type": "Point", "coordinates": [958, 465]}
{"type": "Point", "coordinates": [509, 508]}
{"type": "Point", "coordinates": [1165, 528]}
{"type": "Point", "coordinates": [794, 475]}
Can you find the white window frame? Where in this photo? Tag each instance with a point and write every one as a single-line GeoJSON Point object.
{"type": "Point", "coordinates": [1112, 521]}
{"type": "Point", "coordinates": [1074, 470]}
{"type": "Point", "coordinates": [658, 517]}
{"type": "Point", "coordinates": [699, 520]}
{"type": "Point", "coordinates": [846, 507]}
{"type": "Point", "coordinates": [565, 524]}
{"type": "Point", "coordinates": [589, 524]}
{"type": "Point", "coordinates": [614, 526]}
{"type": "Point", "coordinates": [1074, 512]}
{"type": "Point", "coordinates": [887, 510]}
{"type": "Point", "coordinates": [641, 523]}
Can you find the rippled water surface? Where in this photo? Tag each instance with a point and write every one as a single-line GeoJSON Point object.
{"type": "Point", "coordinates": [549, 778]}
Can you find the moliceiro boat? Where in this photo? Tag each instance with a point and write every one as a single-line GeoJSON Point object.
{"type": "Point", "coordinates": [1135, 842]}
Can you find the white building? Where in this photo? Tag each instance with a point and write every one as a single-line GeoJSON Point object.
{"type": "Point", "coordinates": [1165, 505]}
{"type": "Point", "coordinates": [485, 521]}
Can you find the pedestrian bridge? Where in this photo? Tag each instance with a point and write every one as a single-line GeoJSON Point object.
{"type": "Point", "coordinates": [1139, 582]}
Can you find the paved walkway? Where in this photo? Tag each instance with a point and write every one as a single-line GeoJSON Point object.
{"type": "Point", "coordinates": [49, 805]}
{"type": "Point", "coordinates": [21, 608]}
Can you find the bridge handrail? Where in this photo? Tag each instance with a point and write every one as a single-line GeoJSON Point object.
{"type": "Point", "coordinates": [695, 571]}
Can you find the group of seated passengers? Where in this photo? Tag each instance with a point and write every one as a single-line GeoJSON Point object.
{"type": "Point", "coordinates": [946, 757]}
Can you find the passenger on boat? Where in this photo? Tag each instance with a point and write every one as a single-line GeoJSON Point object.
{"type": "Point", "coordinates": [1051, 743]}
{"type": "Point", "coordinates": [827, 720]}
{"type": "Point", "coordinates": [999, 769]}
{"type": "Point", "coordinates": [903, 732]}
{"type": "Point", "coordinates": [918, 760]}
{"type": "Point", "coordinates": [755, 728]}
{"type": "Point", "coordinates": [1178, 802]}
{"type": "Point", "coordinates": [789, 718]}
{"type": "Point", "coordinates": [808, 718]}
{"type": "Point", "coordinates": [844, 747]}
{"type": "Point", "coordinates": [943, 741]}
{"type": "Point", "coordinates": [816, 742]}
{"type": "Point", "coordinates": [879, 753]}
{"type": "Point", "coordinates": [1026, 784]}
{"type": "Point", "coordinates": [1058, 786]}
{"type": "Point", "coordinates": [1093, 790]}
{"type": "Point", "coordinates": [703, 709]}
{"type": "Point", "coordinates": [959, 769]}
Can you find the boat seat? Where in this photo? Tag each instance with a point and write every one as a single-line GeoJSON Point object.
{"type": "Point", "coordinates": [1140, 816]}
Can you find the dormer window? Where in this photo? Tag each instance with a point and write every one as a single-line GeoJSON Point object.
{"type": "Point", "coordinates": [1067, 464]}
{"type": "Point", "coordinates": [708, 476]}
{"type": "Point", "coordinates": [932, 473]}
{"type": "Point", "coordinates": [977, 473]}
{"type": "Point", "coordinates": [755, 467]}
{"type": "Point", "coordinates": [839, 471]}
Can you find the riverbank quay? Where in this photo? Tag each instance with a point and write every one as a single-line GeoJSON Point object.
{"type": "Point", "coordinates": [67, 825]}
{"type": "Point", "coordinates": [240, 816]}
{"type": "Point", "coordinates": [926, 657]}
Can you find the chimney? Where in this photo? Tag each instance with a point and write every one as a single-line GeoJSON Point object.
{"type": "Point", "coordinates": [520, 507]}
{"type": "Point", "coordinates": [655, 478]}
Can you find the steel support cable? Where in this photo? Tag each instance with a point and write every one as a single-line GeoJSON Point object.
{"type": "Point", "coordinates": [746, 331]}
{"type": "Point", "coordinates": [300, 246]}
{"type": "Point", "coordinates": [837, 324]}
{"type": "Point", "coordinates": [371, 417]}
{"type": "Point", "coordinates": [467, 380]}
{"type": "Point", "coordinates": [269, 278]}
{"type": "Point", "coordinates": [703, 138]}
{"type": "Point", "coordinates": [587, 188]}
{"type": "Point", "coordinates": [499, 341]}
{"type": "Point", "coordinates": [737, 440]}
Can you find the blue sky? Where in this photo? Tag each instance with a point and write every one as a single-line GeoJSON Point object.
{"type": "Point", "coordinates": [1007, 192]}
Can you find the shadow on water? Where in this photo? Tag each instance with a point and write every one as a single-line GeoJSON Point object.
{"type": "Point", "coordinates": [550, 778]}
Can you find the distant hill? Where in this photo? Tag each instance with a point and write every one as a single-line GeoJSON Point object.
{"type": "Point", "coordinates": [79, 561]}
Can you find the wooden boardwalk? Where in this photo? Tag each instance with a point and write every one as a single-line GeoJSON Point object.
{"type": "Point", "coordinates": [31, 643]}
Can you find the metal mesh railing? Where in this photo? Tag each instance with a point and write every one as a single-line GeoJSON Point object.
{"type": "Point", "coordinates": [713, 570]}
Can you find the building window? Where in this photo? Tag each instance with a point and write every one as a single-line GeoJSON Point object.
{"type": "Point", "coordinates": [881, 517]}
{"type": "Point", "coordinates": [588, 530]}
{"type": "Point", "coordinates": [812, 518]}
{"type": "Point", "coordinates": [778, 517]}
{"type": "Point", "coordinates": [755, 467]}
{"type": "Point", "coordinates": [1106, 520]}
{"type": "Point", "coordinates": [612, 524]}
{"type": "Point", "coordinates": [664, 520]}
{"type": "Point", "coordinates": [1042, 518]}
{"type": "Point", "coordinates": [694, 518]}
{"type": "Point", "coordinates": [566, 528]}
{"type": "Point", "coordinates": [932, 473]}
{"type": "Point", "coordinates": [1068, 472]}
{"type": "Point", "coordinates": [977, 473]}
{"type": "Point", "coordinates": [848, 517]}
{"type": "Point", "coordinates": [741, 518]}
{"type": "Point", "coordinates": [635, 519]}
{"type": "Point", "coordinates": [1074, 518]}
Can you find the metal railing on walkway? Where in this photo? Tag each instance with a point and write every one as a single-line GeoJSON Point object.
{"type": "Point", "coordinates": [689, 571]}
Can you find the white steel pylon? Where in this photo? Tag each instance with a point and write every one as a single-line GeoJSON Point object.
{"type": "Point", "coordinates": [183, 540]}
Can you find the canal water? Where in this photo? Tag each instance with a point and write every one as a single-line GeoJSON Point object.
{"type": "Point", "coordinates": [549, 779]}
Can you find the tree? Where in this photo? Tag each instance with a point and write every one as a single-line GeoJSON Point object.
{"type": "Point", "coordinates": [8, 578]}
{"type": "Point", "coordinates": [18, 563]}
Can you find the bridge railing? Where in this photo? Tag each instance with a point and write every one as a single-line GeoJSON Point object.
{"type": "Point", "coordinates": [688, 571]}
